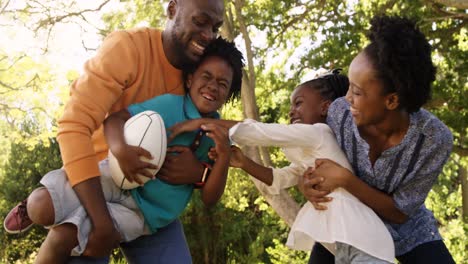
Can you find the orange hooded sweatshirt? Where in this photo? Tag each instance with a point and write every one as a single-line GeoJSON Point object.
{"type": "Point", "coordinates": [130, 67]}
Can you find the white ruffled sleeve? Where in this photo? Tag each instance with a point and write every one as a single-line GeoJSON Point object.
{"type": "Point", "coordinates": [284, 178]}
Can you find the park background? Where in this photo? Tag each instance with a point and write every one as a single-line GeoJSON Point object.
{"type": "Point", "coordinates": [43, 44]}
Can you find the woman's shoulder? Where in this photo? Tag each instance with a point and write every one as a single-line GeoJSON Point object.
{"type": "Point", "coordinates": [338, 113]}
{"type": "Point", "coordinates": [432, 127]}
{"type": "Point", "coordinates": [340, 105]}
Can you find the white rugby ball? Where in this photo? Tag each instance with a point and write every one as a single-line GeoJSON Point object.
{"type": "Point", "coordinates": [146, 130]}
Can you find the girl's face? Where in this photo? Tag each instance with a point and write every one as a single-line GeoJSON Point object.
{"type": "Point", "coordinates": [307, 106]}
{"type": "Point", "coordinates": [209, 85]}
{"type": "Point", "coordinates": [369, 104]}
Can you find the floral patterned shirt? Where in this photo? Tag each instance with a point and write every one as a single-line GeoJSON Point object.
{"type": "Point", "coordinates": [406, 171]}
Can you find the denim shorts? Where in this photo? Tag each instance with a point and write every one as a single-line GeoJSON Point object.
{"type": "Point", "coordinates": [127, 217]}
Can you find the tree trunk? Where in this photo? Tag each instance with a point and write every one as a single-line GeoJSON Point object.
{"type": "Point", "coordinates": [461, 4]}
{"type": "Point", "coordinates": [282, 203]}
{"type": "Point", "coordinates": [462, 171]}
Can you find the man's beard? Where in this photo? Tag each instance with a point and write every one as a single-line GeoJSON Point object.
{"type": "Point", "coordinates": [183, 61]}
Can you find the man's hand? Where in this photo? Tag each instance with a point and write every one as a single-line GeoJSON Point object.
{"type": "Point", "coordinates": [183, 168]}
{"type": "Point", "coordinates": [102, 241]}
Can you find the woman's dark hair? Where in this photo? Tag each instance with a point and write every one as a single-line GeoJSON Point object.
{"type": "Point", "coordinates": [227, 51]}
{"type": "Point", "coordinates": [401, 57]}
{"type": "Point", "coordinates": [330, 86]}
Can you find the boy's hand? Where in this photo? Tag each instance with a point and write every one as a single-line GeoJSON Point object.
{"type": "Point", "coordinates": [186, 126]}
{"type": "Point", "coordinates": [131, 164]}
{"type": "Point", "coordinates": [220, 137]}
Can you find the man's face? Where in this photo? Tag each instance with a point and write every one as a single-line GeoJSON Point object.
{"type": "Point", "coordinates": [196, 24]}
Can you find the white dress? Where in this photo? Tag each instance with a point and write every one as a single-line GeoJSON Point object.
{"type": "Point", "coordinates": [347, 220]}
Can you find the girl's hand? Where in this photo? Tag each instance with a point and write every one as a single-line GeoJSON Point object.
{"type": "Point", "coordinates": [186, 126]}
{"type": "Point", "coordinates": [131, 164]}
{"type": "Point", "coordinates": [237, 156]}
{"type": "Point", "coordinates": [220, 136]}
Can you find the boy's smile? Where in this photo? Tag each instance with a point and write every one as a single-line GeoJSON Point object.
{"type": "Point", "coordinates": [209, 85]}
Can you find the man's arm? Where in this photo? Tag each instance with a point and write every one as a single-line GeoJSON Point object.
{"type": "Point", "coordinates": [185, 168]}
{"type": "Point", "coordinates": [92, 95]}
{"type": "Point", "coordinates": [103, 237]}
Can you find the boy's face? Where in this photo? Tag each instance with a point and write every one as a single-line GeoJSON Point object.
{"type": "Point", "coordinates": [209, 85]}
{"type": "Point", "coordinates": [307, 106]}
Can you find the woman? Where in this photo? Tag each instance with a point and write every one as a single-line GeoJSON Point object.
{"type": "Point", "coordinates": [397, 149]}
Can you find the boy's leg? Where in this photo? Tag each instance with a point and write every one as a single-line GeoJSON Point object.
{"type": "Point", "coordinates": [46, 206]}
{"type": "Point", "coordinates": [168, 245]}
{"type": "Point", "coordinates": [58, 244]}
{"type": "Point", "coordinates": [40, 208]}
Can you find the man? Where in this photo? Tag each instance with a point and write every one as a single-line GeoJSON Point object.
{"type": "Point", "coordinates": [130, 67]}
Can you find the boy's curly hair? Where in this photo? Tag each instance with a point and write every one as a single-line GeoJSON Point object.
{"type": "Point", "coordinates": [227, 51]}
{"type": "Point", "coordinates": [401, 56]}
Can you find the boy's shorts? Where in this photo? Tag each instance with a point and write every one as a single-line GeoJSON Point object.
{"type": "Point", "coordinates": [125, 214]}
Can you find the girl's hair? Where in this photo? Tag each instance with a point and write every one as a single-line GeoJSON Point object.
{"type": "Point", "coordinates": [227, 51]}
{"type": "Point", "coordinates": [401, 57]}
{"type": "Point", "coordinates": [330, 86]}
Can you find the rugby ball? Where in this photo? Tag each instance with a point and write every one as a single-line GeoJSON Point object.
{"type": "Point", "coordinates": [145, 130]}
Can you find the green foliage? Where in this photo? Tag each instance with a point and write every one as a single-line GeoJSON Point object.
{"type": "Point", "coordinates": [289, 38]}
{"type": "Point", "coordinates": [445, 200]}
{"type": "Point", "coordinates": [21, 175]}
{"type": "Point", "coordinates": [135, 13]}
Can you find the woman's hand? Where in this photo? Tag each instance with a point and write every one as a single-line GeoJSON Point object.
{"type": "Point", "coordinates": [307, 185]}
{"type": "Point", "coordinates": [334, 175]}
{"type": "Point", "coordinates": [129, 158]}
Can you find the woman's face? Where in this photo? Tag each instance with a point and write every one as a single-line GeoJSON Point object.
{"type": "Point", "coordinates": [307, 106]}
{"type": "Point", "coordinates": [365, 95]}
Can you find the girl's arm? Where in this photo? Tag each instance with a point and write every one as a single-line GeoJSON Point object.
{"type": "Point", "coordinates": [194, 124]}
{"type": "Point", "coordinates": [275, 178]}
{"type": "Point", "coordinates": [239, 160]}
{"type": "Point", "coordinates": [127, 156]}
